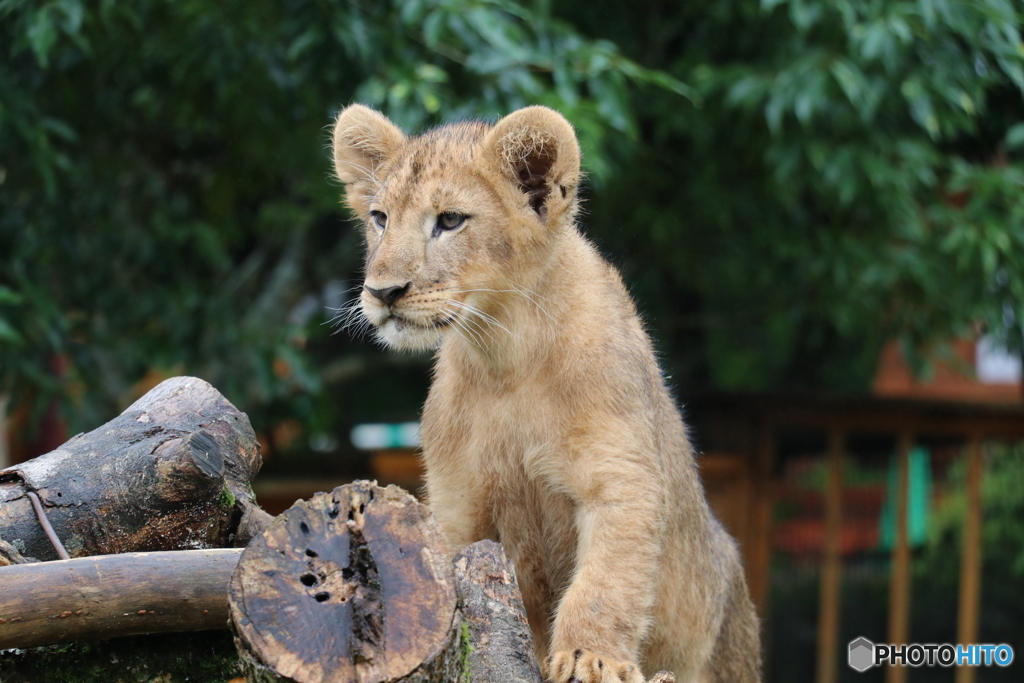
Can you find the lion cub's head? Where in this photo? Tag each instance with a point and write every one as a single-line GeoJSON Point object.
{"type": "Point", "coordinates": [455, 219]}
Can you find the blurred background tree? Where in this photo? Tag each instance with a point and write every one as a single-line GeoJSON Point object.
{"type": "Point", "coordinates": [785, 184]}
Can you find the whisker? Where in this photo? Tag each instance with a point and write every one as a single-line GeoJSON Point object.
{"type": "Point", "coordinates": [471, 327]}
{"type": "Point", "coordinates": [457, 329]}
{"type": "Point", "coordinates": [486, 317]}
{"type": "Point", "coordinates": [485, 333]}
{"type": "Point", "coordinates": [525, 293]}
{"type": "Point", "coordinates": [351, 318]}
{"type": "Point", "coordinates": [459, 325]}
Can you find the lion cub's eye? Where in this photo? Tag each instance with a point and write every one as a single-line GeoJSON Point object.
{"type": "Point", "coordinates": [449, 220]}
{"type": "Point", "coordinates": [380, 218]}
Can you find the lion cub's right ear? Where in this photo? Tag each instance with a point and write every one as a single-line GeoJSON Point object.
{"type": "Point", "coordinates": [363, 140]}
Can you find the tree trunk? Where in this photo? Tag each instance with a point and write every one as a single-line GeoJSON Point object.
{"type": "Point", "coordinates": [500, 641]}
{"type": "Point", "coordinates": [171, 473]}
{"type": "Point", "coordinates": [348, 586]}
{"type": "Point", "coordinates": [114, 595]}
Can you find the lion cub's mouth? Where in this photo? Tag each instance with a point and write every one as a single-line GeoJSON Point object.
{"type": "Point", "coordinates": [414, 330]}
{"type": "Point", "coordinates": [405, 322]}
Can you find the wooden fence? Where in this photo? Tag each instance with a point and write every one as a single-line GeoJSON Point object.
{"type": "Point", "coordinates": [742, 433]}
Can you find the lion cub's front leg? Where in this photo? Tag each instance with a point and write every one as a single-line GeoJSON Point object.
{"type": "Point", "coordinates": [459, 508]}
{"type": "Point", "coordinates": [604, 614]}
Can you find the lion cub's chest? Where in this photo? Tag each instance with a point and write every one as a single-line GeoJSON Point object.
{"type": "Point", "coordinates": [509, 442]}
{"type": "Point", "coordinates": [490, 426]}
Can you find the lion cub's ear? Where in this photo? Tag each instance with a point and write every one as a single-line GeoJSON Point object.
{"type": "Point", "coordinates": [536, 149]}
{"type": "Point", "coordinates": [363, 140]}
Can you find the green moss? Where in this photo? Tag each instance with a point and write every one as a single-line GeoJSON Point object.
{"type": "Point", "coordinates": [206, 657]}
{"type": "Point", "coordinates": [226, 498]}
{"type": "Point", "coordinates": [467, 648]}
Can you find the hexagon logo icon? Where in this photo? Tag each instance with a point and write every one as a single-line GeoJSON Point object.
{"type": "Point", "coordinates": [861, 655]}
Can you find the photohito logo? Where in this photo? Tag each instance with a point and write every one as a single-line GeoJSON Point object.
{"type": "Point", "coordinates": [863, 654]}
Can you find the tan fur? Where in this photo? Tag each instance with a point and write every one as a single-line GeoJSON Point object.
{"type": "Point", "coordinates": [548, 426]}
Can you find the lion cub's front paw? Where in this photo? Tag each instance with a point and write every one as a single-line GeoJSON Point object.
{"type": "Point", "coordinates": [583, 666]}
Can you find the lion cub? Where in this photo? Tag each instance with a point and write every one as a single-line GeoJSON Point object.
{"type": "Point", "coordinates": [548, 426]}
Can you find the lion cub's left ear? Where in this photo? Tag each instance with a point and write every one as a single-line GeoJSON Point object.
{"type": "Point", "coordinates": [536, 149]}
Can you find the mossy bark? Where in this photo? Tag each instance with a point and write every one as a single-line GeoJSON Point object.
{"type": "Point", "coordinates": [208, 657]}
{"type": "Point", "coordinates": [499, 642]}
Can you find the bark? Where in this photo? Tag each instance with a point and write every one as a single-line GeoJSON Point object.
{"type": "Point", "coordinates": [500, 641]}
{"type": "Point", "coordinates": [114, 595]}
{"type": "Point", "coordinates": [10, 555]}
{"type": "Point", "coordinates": [348, 586]}
{"type": "Point", "coordinates": [170, 473]}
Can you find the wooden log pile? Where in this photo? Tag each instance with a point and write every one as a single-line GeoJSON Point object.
{"type": "Point", "coordinates": [348, 586]}
{"type": "Point", "coordinates": [171, 473]}
{"type": "Point", "coordinates": [353, 585]}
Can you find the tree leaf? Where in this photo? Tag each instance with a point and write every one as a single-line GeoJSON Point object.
{"type": "Point", "coordinates": [42, 34]}
{"type": "Point", "coordinates": [9, 296]}
{"type": "Point", "coordinates": [1015, 137]}
{"type": "Point", "coordinates": [8, 333]}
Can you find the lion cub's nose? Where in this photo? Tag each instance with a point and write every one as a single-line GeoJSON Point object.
{"type": "Point", "coordinates": [389, 295]}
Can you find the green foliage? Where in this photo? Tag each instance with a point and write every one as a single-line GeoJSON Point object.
{"type": "Point", "coordinates": [853, 175]}
{"type": "Point", "coordinates": [1002, 499]}
{"type": "Point", "coordinates": [167, 199]}
{"type": "Point", "coordinates": [785, 183]}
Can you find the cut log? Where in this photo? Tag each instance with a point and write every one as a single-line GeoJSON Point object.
{"type": "Point", "coordinates": [171, 473]}
{"type": "Point", "coordinates": [355, 586]}
{"type": "Point", "coordinates": [500, 641]}
{"type": "Point", "coordinates": [114, 595]}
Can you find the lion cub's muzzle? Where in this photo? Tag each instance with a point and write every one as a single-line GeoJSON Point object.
{"type": "Point", "coordinates": [406, 318]}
